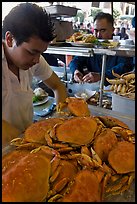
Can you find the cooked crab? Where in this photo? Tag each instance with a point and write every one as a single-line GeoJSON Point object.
{"type": "Point", "coordinates": [36, 132]}
{"type": "Point", "coordinates": [40, 170]}
{"type": "Point", "coordinates": [122, 157]}
{"type": "Point", "coordinates": [60, 177]}
{"type": "Point", "coordinates": [77, 131]}
{"type": "Point", "coordinates": [34, 135]}
{"type": "Point", "coordinates": [25, 176]}
{"type": "Point", "coordinates": [110, 121]}
{"type": "Point", "coordinates": [123, 85]}
{"type": "Point", "coordinates": [80, 152]}
{"type": "Point", "coordinates": [104, 142]}
{"type": "Point", "coordinates": [122, 160]}
{"type": "Point", "coordinates": [84, 188]}
{"type": "Point", "coordinates": [74, 106]}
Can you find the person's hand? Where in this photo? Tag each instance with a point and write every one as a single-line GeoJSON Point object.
{"type": "Point", "coordinates": [91, 77]}
{"type": "Point", "coordinates": [78, 76]}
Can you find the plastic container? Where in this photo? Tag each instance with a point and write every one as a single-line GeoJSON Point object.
{"type": "Point", "coordinates": [123, 104]}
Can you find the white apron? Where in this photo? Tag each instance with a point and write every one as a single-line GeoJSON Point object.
{"type": "Point", "coordinates": [17, 106]}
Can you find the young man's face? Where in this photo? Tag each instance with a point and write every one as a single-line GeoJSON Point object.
{"type": "Point", "coordinates": [28, 53]}
{"type": "Point", "coordinates": [103, 29]}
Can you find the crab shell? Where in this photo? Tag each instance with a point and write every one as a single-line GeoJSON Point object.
{"type": "Point", "coordinates": [104, 142]}
{"type": "Point", "coordinates": [122, 157]}
{"type": "Point", "coordinates": [76, 106]}
{"type": "Point", "coordinates": [36, 132]}
{"type": "Point", "coordinates": [77, 130]}
{"type": "Point", "coordinates": [110, 122]}
{"type": "Point", "coordinates": [25, 176]}
{"type": "Point", "coordinates": [64, 173]}
{"type": "Point", "coordinates": [85, 188]}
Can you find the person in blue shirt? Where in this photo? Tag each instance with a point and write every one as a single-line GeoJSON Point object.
{"type": "Point", "coordinates": [88, 69]}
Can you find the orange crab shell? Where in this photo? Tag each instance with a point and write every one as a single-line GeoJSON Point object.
{"type": "Point", "coordinates": [77, 106]}
{"type": "Point", "coordinates": [110, 121]}
{"type": "Point", "coordinates": [77, 130]}
{"type": "Point", "coordinates": [84, 189]}
{"type": "Point", "coordinates": [25, 176]}
{"type": "Point", "coordinates": [104, 142]}
{"type": "Point", "coordinates": [36, 132]}
{"type": "Point", "coordinates": [66, 173]}
{"type": "Point", "coordinates": [122, 157]}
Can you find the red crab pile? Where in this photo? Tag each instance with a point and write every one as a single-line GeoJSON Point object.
{"type": "Point", "coordinates": [82, 158]}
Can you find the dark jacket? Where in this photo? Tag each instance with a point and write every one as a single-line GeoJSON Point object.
{"type": "Point", "coordinates": [119, 64]}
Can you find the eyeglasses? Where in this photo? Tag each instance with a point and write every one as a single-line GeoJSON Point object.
{"type": "Point", "coordinates": [101, 30]}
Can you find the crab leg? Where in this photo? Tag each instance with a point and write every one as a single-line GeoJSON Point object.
{"type": "Point", "coordinates": [55, 198]}
{"type": "Point", "coordinates": [116, 81]}
{"type": "Point", "coordinates": [85, 150]}
{"type": "Point", "coordinates": [55, 175]}
{"type": "Point", "coordinates": [115, 74]}
{"type": "Point", "coordinates": [58, 187]}
{"type": "Point", "coordinates": [129, 76]}
{"type": "Point", "coordinates": [96, 157]}
{"type": "Point", "coordinates": [118, 186]}
{"type": "Point", "coordinates": [16, 141]}
{"type": "Point", "coordinates": [54, 164]}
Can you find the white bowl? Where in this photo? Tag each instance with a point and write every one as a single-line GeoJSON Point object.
{"type": "Point", "coordinates": [86, 94]}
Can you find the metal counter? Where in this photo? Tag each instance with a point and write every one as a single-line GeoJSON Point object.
{"type": "Point", "coordinates": [88, 52]}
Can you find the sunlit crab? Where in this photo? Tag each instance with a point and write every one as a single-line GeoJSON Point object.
{"type": "Point", "coordinates": [84, 188]}
{"type": "Point", "coordinates": [122, 157]}
{"type": "Point", "coordinates": [34, 135]}
{"type": "Point", "coordinates": [77, 150]}
{"type": "Point", "coordinates": [118, 127]}
{"type": "Point", "coordinates": [74, 106]}
{"type": "Point", "coordinates": [74, 131]}
{"type": "Point", "coordinates": [104, 142]}
{"type": "Point", "coordinates": [34, 176]}
{"type": "Point", "coordinates": [25, 175]}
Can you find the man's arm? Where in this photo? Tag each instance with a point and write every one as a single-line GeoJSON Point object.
{"type": "Point", "coordinates": [78, 63]}
{"type": "Point", "coordinates": [9, 132]}
{"type": "Point", "coordinates": [59, 89]}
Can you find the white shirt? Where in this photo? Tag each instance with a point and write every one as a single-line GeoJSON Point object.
{"type": "Point", "coordinates": [17, 106]}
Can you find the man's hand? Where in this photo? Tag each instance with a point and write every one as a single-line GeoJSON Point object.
{"type": "Point", "coordinates": [91, 77]}
{"type": "Point", "coordinates": [78, 76]}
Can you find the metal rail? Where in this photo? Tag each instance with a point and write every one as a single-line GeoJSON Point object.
{"type": "Point", "coordinates": [88, 52]}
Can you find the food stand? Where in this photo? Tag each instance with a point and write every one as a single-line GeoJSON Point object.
{"type": "Point", "coordinates": [47, 109]}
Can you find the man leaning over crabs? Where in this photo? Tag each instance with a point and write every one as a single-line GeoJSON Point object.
{"type": "Point", "coordinates": [26, 33]}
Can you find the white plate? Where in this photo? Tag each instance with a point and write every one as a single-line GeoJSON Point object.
{"type": "Point", "coordinates": [41, 102]}
{"type": "Point", "coordinates": [82, 44]}
{"type": "Point", "coordinates": [86, 94]}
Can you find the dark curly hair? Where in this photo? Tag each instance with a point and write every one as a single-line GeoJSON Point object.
{"type": "Point", "coordinates": [27, 20]}
{"type": "Point", "coordinates": [107, 16]}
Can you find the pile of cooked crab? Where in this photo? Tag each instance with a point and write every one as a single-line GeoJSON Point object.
{"type": "Point", "coordinates": [75, 157]}
{"type": "Point", "coordinates": [123, 85]}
